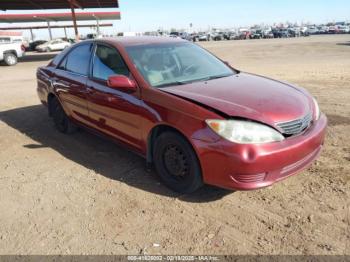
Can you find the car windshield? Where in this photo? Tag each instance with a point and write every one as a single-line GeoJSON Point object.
{"type": "Point", "coordinates": [176, 63]}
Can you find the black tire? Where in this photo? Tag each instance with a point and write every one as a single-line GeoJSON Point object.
{"type": "Point", "coordinates": [60, 119]}
{"type": "Point", "coordinates": [176, 163]}
{"type": "Point", "coordinates": [10, 59]}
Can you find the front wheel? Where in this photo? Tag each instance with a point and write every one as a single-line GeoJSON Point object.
{"type": "Point", "coordinates": [176, 163]}
{"type": "Point", "coordinates": [10, 59]}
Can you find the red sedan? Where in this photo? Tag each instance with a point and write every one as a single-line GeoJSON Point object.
{"type": "Point", "coordinates": [195, 118]}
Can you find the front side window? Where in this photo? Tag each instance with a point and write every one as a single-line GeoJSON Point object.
{"type": "Point", "coordinates": [106, 62]}
{"type": "Point", "coordinates": [77, 61]}
{"type": "Point", "coordinates": [176, 63]}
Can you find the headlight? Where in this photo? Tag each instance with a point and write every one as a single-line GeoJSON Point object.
{"type": "Point", "coordinates": [244, 132]}
{"type": "Point", "coordinates": [317, 109]}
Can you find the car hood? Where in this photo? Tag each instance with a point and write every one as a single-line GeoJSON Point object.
{"type": "Point", "coordinates": [248, 96]}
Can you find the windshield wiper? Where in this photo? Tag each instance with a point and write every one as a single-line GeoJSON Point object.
{"type": "Point", "coordinates": [214, 77]}
{"type": "Point", "coordinates": [175, 83]}
{"type": "Point", "coordinates": [206, 78]}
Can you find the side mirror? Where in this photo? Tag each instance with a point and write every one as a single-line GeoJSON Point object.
{"type": "Point", "coordinates": [122, 83]}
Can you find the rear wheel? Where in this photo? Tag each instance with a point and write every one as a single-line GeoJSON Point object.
{"type": "Point", "coordinates": [10, 59]}
{"type": "Point", "coordinates": [61, 120]}
{"type": "Point", "coordinates": [176, 163]}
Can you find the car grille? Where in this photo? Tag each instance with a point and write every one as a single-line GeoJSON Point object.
{"type": "Point", "coordinates": [296, 126]}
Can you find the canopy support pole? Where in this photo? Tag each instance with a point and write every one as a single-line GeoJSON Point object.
{"type": "Point", "coordinates": [98, 26]}
{"type": "Point", "coordinates": [74, 21]}
{"type": "Point", "coordinates": [48, 27]}
{"type": "Point", "coordinates": [31, 34]}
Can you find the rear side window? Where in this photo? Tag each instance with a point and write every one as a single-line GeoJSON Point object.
{"type": "Point", "coordinates": [107, 61]}
{"type": "Point", "coordinates": [77, 61]}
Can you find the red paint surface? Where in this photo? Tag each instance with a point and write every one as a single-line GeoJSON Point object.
{"type": "Point", "coordinates": [130, 117]}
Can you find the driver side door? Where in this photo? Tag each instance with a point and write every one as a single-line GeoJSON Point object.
{"type": "Point", "coordinates": [112, 111]}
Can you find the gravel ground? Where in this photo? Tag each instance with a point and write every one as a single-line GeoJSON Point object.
{"type": "Point", "coordinates": [81, 194]}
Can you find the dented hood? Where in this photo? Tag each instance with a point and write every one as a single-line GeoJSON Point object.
{"type": "Point", "coordinates": [248, 96]}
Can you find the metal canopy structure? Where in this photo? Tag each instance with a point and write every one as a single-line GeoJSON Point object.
{"type": "Point", "coordinates": [58, 4]}
{"type": "Point", "coordinates": [58, 17]}
{"type": "Point", "coordinates": [53, 26]}
{"type": "Point", "coordinates": [31, 28]}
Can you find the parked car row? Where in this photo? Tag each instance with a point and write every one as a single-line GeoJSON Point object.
{"type": "Point", "coordinates": [251, 34]}
{"type": "Point", "coordinates": [47, 46]}
{"type": "Point", "coordinates": [281, 31]}
{"type": "Point", "coordinates": [11, 50]}
{"type": "Point", "coordinates": [329, 29]}
{"type": "Point", "coordinates": [242, 34]}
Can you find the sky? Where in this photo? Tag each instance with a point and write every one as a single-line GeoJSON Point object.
{"type": "Point", "coordinates": [151, 15]}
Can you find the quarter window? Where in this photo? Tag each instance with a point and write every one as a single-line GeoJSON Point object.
{"type": "Point", "coordinates": [58, 58]}
{"type": "Point", "coordinates": [107, 61]}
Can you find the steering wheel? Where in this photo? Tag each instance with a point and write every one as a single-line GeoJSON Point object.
{"type": "Point", "coordinates": [170, 70]}
{"type": "Point", "coordinates": [187, 69]}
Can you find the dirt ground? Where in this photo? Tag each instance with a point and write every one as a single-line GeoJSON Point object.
{"type": "Point", "coordinates": [81, 194]}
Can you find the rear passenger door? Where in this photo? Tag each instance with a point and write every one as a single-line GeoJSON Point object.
{"type": "Point", "coordinates": [70, 82]}
{"type": "Point", "coordinates": [113, 112]}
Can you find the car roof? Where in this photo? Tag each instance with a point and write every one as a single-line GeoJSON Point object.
{"type": "Point", "coordinates": [140, 40]}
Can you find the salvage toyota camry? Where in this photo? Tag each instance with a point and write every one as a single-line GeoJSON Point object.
{"type": "Point", "coordinates": [195, 118]}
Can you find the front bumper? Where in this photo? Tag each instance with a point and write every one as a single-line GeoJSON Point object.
{"type": "Point", "coordinates": [248, 167]}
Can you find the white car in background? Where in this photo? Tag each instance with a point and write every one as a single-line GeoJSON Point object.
{"type": "Point", "coordinates": [343, 29]}
{"type": "Point", "coordinates": [53, 45]}
{"type": "Point", "coordinates": [312, 30]}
